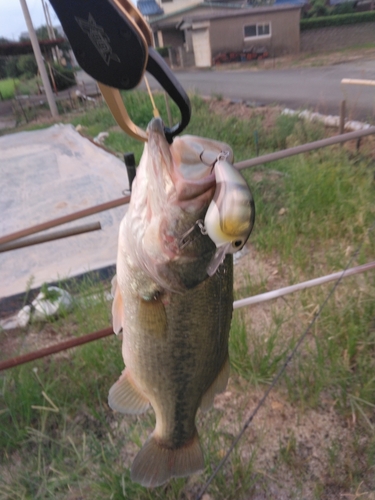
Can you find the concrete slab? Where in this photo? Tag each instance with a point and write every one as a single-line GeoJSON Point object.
{"type": "Point", "coordinates": [45, 174]}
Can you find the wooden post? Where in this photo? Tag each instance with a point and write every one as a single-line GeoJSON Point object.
{"type": "Point", "coordinates": [39, 60]}
{"type": "Point", "coordinates": [342, 117]}
{"type": "Point", "coordinates": [23, 111]}
{"type": "Point", "coordinates": [168, 108]}
{"type": "Point", "coordinates": [52, 78]}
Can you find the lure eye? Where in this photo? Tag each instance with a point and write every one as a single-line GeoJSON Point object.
{"type": "Point", "coordinates": [237, 243]}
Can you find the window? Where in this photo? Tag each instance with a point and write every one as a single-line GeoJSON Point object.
{"type": "Point", "coordinates": [257, 30]}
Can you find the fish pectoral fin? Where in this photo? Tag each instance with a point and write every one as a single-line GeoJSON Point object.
{"type": "Point", "coordinates": [151, 317]}
{"type": "Point", "coordinates": [117, 307]}
{"type": "Point", "coordinates": [125, 397]}
{"type": "Point", "coordinates": [217, 386]}
{"type": "Point", "coordinates": [155, 463]}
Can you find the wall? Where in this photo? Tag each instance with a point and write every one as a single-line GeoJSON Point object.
{"type": "Point", "coordinates": [337, 37]}
{"type": "Point", "coordinates": [170, 6]}
{"type": "Point", "coordinates": [228, 33]}
{"type": "Point", "coordinates": [173, 38]}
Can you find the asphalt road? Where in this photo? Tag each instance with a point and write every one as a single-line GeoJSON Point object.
{"type": "Point", "coordinates": [316, 88]}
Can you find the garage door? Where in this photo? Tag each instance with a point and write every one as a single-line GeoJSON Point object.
{"type": "Point", "coordinates": [202, 48]}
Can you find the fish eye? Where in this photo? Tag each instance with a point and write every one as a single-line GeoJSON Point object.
{"type": "Point", "coordinates": [237, 243]}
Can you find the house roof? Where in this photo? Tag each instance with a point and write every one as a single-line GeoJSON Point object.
{"type": "Point", "coordinates": [201, 5]}
{"type": "Point", "coordinates": [291, 2]}
{"type": "Point", "coordinates": [149, 8]}
{"type": "Point", "coordinates": [217, 10]}
{"type": "Point", "coordinates": [19, 48]}
{"type": "Point", "coordinates": [237, 13]}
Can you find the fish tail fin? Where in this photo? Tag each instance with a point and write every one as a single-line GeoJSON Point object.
{"type": "Point", "coordinates": [155, 463]}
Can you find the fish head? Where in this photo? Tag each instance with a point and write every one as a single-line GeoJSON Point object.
{"type": "Point", "coordinates": [172, 190]}
{"type": "Point", "coordinates": [183, 171]}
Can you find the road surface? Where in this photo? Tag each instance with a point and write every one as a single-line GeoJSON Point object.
{"type": "Point", "coordinates": [316, 88]}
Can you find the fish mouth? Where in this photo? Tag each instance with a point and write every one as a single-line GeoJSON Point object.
{"type": "Point", "coordinates": [156, 126]}
{"type": "Point", "coordinates": [179, 168]}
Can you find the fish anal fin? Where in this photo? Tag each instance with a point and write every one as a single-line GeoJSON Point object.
{"type": "Point", "coordinates": [117, 307]}
{"type": "Point", "coordinates": [218, 385]}
{"type": "Point", "coordinates": [155, 463]}
{"type": "Point", "coordinates": [125, 397]}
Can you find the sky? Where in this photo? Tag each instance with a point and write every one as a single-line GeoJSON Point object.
{"type": "Point", "coordinates": [12, 21]}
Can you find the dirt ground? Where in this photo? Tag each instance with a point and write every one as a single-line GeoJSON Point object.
{"type": "Point", "coordinates": [306, 436]}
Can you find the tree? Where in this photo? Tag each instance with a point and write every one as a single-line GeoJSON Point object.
{"type": "Point", "coordinates": [42, 33]}
{"type": "Point", "coordinates": [11, 68]}
{"type": "Point", "coordinates": [3, 72]}
{"type": "Point", "coordinates": [27, 66]}
{"type": "Point", "coordinates": [318, 8]}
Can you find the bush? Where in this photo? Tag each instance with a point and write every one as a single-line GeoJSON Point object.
{"type": "Point", "coordinates": [11, 68]}
{"type": "Point", "coordinates": [344, 8]}
{"type": "Point", "coordinates": [64, 77]}
{"type": "Point", "coordinates": [27, 66]}
{"type": "Point", "coordinates": [3, 71]}
{"type": "Point", "coordinates": [163, 51]}
{"type": "Point", "coordinates": [339, 20]}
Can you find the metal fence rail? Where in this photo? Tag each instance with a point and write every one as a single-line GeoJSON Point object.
{"type": "Point", "coordinates": [122, 201]}
{"type": "Point", "coordinates": [249, 301]}
{"type": "Point", "coordinates": [253, 162]}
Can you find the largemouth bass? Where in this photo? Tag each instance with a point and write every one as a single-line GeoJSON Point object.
{"type": "Point", "coordinates": [174, 317]}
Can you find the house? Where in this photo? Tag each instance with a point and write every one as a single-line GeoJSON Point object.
{"type": "Point", "coordinates": [207, 29]}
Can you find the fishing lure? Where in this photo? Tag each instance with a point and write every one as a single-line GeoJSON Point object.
{"type": "Point", "coordinates": [231, 214]}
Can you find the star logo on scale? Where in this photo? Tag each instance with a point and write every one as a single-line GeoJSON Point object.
{"type": "Point", "coordinates": [99, 38]}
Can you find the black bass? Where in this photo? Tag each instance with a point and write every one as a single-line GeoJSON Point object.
{"type": "Point", "coordinates": [175, 318]}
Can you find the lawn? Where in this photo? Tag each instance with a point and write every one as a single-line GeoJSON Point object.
{"type": "Point", "coordinates": [7, 87]}
{"type": "Point", "coordinates": [314, 438]}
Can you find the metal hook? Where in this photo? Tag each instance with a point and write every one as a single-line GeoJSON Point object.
{"type": "Point", "coordinates": [113, 43]}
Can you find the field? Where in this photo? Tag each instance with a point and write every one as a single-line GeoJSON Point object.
{"type": "Point", "coordinates": [314, 437]}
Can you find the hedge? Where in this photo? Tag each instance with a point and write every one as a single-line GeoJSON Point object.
{"type": "Point", "coordinates": [163, 51]}
{"type": "Point", "coordinates": [339, 20]}
{"type": "Point", "coordinates": [64, 77]}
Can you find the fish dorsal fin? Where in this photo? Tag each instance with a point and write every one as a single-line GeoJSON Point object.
{"type": "Point", "coordinates": [155, 463]}
{"type": "Point", "coordinates": [117, 307]}
{"type": "Point", "coordinates": [218, 385]}
{"type": "Point", "coordinates": [125, 397]}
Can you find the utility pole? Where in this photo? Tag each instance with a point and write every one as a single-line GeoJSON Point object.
{"type": "Point", "coordinates": [51, 32]}
{"type": "Point", "coordinates": [39, 60]}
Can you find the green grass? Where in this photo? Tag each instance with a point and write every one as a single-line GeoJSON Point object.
{"type": "Point", "coordinates": [58, 437]}
{"type": "Point", "coordinates": [7, 87]}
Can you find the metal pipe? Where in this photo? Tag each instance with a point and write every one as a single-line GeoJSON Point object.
{"type": "Point", "coordinates": [25, 358]}
{"type": "Point", "coordinates": [47, 351]}
{"type": "Point", "coordinates": [130, 167]}
{"type": "Point", "coordinates": [240, 165]}
{"type": "Point", "coordinates": [57, 235]}
{"type": "Point", "coordinates": [274, 294]}
{"type": "Point", "coordinates": [64, 219]}
{"type": "Point", "coordinates": [354, 81]}
{"type": "Point", "coordinates": [304, 148]}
